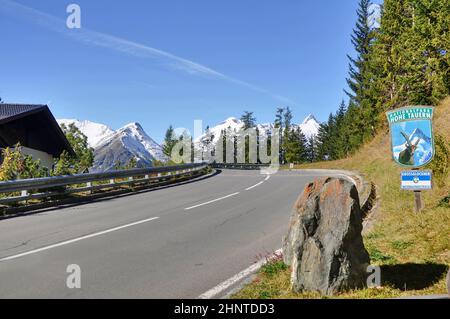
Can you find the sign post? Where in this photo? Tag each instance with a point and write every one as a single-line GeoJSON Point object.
{"type": "Point", "coordinates": [416, 181]}
{"type": "Point", "coordinates": [418, 201]}
{"type": "Point", "coordinates": [413, 147]}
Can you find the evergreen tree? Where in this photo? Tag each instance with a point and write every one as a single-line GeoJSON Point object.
{"type": "Point", "coordinates": [295, 143]}
{"type": "Point", "coordinates": [311, 149]}
{"type": "Point", "coordinates": [361, 39]}
{"type": "Point", "coordinates": [248, 119]}
{"type": "Point", "coordinates": [288, 140]}
{"type": "Point", "coordinates": [279, 124]}
{"type": "Point", "coordinates": [406, 61]}
{"type": "Point", "coordinates": [170, 141]}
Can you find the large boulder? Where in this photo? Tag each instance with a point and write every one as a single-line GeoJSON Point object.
{"type": "Point", "coordinates": [324, 246]}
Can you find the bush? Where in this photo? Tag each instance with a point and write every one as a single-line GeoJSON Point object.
{"type": "Point", "coordinates": [63, 165]}
{"type": "Point", "coordinates": [441, 161]}
{"type": "Point", "coordinates": [15, 165]}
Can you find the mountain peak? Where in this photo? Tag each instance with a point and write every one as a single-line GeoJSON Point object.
{"type": "Point", "coordinates": [95, 132]}
{"type": "Point", "coordinates": [133, 125]}
{"type": "Point", "coordinates": [231, 120]}
{"type": "Point", "coordinates": [309, 118]}
{"type": "Point", "coordinates": [110, 146]}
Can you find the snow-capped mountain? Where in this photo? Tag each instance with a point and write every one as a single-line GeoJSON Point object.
{"type": "Point", "coordinates": [212, 134]}
{"type": "Point", "coordinates": [95, 132]}
{"type": "Point", "coordinates": [310, 126]}
{"type": "Point", "coordinates": [137, 141]}
{"type": "Point", "coordinates": [112, 147]}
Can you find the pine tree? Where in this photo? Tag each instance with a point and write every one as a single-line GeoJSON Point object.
{"type": "Point", "coordinates": [248, 119]}
{"type": "Point", "coordinates": [361, 39]}
{"type": "Point", "coordinates": [288, 141]}
{"type": "Point", "coordinates": [311, 149]}
{"type": "Point", "coordinates": [279, 124]}
{"type": "Point", "coordinates": [295, 147]}
{"type": "Point", "coordinates": [170, 141]}
{"type": "Point", "coordinates": [323, 145]}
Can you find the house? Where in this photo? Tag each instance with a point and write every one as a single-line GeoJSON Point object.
{"type": "Point", "coordinates": [35, 128]}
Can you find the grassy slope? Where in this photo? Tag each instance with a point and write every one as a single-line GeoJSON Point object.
{"type": "Point", "coordinates": [413, 249]}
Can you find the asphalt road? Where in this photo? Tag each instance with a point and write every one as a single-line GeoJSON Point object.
{"type": "Point", "coordinates": [176, 242]}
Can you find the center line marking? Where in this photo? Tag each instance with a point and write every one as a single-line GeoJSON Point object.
{"type": "Point", "coordinates": [212, 201]}
{"type": "Point", "coordinates": [71, 241]}
{"type": "Point", "coordinates": [251, 187]}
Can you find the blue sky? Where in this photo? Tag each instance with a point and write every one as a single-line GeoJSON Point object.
{"type": "Point", "coordinates": [162, 62]}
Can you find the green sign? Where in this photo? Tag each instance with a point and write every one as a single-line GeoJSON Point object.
{"type": "Point", "coordinates": [412, 135]}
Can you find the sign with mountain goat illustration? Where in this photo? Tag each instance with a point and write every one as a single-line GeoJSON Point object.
{"type": "Point", "coordinates": [412, 135]}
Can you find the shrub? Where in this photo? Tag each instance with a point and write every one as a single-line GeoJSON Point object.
{"type": "Point", "coordinates": [15, 165]}
{"type": "Point", "coordinates": [441, 161]}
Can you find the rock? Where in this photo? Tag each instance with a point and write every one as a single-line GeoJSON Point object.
{"type": "Point", "coordinates": [324, 246]}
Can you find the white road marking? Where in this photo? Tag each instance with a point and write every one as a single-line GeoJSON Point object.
{"type": "Point", "coordinates": [71, 241]}
{"type": "Point", "coordinates": [247, 189]}
{"type": "Point", "coordinates": [236, 278]}
{"type": "Point", "coordinates": [212, 201]}
{"type": "Point", "coordinates": [260, 183]}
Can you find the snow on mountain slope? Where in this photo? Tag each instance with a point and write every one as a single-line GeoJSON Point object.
{"type": "Point", "coordinates": [135, 138]}
{"type": "Point", "coordinates": [310, 126]}
{"type": "Point", "coordinates": [128, 142]}
{"type": "Point", "coordinates": [95, 132]}
{"type": "Point", "coordinates": [207, 141]}
{"type": "Point", "coordinates": [213, 133]}
{"type": "Point", "coordinates": [112, 147]}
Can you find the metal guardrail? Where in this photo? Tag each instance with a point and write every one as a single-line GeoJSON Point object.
{"type": "Point", "coordinates": [47, 185]}
{"type": "Point", "coordinates": [239, 166]}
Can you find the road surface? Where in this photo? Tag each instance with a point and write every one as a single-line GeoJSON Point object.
{"type": "Point", "coordinates": [176, 242]}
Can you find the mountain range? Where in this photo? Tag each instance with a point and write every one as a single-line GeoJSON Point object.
{"type": "Point", "coordinates": [131, 141]}
{"type": "Point", "coordinates": [120, 146]}
{"type": "Point", "coordinates": [309, 127]}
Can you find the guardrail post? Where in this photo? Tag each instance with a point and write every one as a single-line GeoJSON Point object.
{"type": "Point", "coordinates": [89, 184]}
{"type": "Point", "coordinates": [24, 193]}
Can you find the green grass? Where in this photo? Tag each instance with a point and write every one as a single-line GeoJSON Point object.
{"type": "Point", "coordinates": [412, 249]}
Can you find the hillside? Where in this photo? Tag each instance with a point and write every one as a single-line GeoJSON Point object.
{"type": "Point", "coordinates": [413, 249]}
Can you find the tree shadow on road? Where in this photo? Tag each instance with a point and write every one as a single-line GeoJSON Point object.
{"type": "Point", "coordinates": [412, 276]}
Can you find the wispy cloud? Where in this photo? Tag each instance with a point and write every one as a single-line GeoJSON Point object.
{"type": "Point", "coordinates": [124, 46]}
